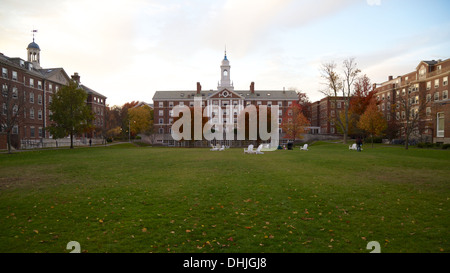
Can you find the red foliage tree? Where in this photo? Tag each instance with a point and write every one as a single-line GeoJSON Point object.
{"type": "Point", "coordinates": [294, 122]}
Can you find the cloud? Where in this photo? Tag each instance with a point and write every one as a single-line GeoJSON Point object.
{"type": "Point", "coordinates": [374, 2]}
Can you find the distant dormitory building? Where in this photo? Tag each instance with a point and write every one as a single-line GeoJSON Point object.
{"type": "Point", "coordinates": [428, 82]}
{"type": "Point", "coordinates": [324, 113]}
{"type": "Point", "coordinates": [36, 86]}
{"type": "Point", "coordinates": [225, 95]}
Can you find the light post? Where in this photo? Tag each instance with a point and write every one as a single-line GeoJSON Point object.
{"type": "Point", "coordinates": [129, 129]}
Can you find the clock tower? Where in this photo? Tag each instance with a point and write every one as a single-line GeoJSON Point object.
{"type": "Point", "coordinates": [225, 81]}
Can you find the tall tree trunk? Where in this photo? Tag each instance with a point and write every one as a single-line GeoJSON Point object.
{"type": "Point", "coordinates": [407, 138]}
{"type": "Point", "coordinates": [71, 140]}
{"type": "Point", "coordinates": [8, 137]}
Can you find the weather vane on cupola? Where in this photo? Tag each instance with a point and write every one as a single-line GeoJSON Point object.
{"type": "Point", "coordinates": [34, 31]}
{"type": "Point", "coordinates": [226, 52]}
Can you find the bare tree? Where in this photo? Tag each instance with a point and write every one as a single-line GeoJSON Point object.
{"type": "Point", "coordinates": [412, 103]}
{"type": "Point", "coordinates": [11, 117]}
{"type": "Point", "coordinates": [340, 87]}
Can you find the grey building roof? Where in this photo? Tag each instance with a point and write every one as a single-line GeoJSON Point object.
{"type": "Point", "coordinates": [90, 91]}
{"type": "Point", "coordinates": [246, 94]}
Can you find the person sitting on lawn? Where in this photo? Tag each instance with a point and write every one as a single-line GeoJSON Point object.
{"type": "Point", "coordinates": [358, 144]}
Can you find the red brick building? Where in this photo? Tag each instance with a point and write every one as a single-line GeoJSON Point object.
{"type": "Point", "coordinates": [225, 95]}
{"type": "Point", "coordinates": [425, 88]}
{"type": "Point", "coordinates": [324, 113]}
{"type": "Point", "coordinates": [32, 88]}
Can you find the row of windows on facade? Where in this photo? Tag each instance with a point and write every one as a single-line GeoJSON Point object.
{"type": "Point", "coordinates": [39, 84]}
{"type": "Point", "coordinates": [214, 120]}
{"type": "Point", "coordinates": [32, 130]}
{"type": "Point", "coordinates": [214, 113]}
{"type": "Point", "coordinates": [169, 130]}
{"type": "Point", "coordinates": [97, 121]}
{"type": "Point", "coordinates": [15, 94]}
{"type": "Point", "coordinates": [415, 99]}
{"type": "Point", "coordinates": [31, 113]}
{"type": "Point", "coordinates": [414, 88]}
{"type": "Point", "coordinates": [97, 110]}
{"type": "Point", "coordinates": [222, 103]}
{"type": "Point", "coordinates": [30, 81]}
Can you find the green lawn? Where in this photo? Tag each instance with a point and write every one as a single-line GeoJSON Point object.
{"type": "Point", "coordinates": [126, 198]}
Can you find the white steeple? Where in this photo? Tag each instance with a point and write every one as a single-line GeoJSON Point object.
{"type": "Point", "coordinates": [225, 81]}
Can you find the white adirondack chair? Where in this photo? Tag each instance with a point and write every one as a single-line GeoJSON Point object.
{"type": "Point", "coordinates": [258, 150]}
{"type": "Point", "coordinates": [304, 148]}
{"type": "Point", "coordinates": [249, 150]}
{"type": "Point", "coordinates": [222, 148]}
{"type": "Point", "coordinates": [214, 148]}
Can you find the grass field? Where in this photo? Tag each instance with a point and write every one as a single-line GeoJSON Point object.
{"type": "Point", "coordinates": [126, 198]}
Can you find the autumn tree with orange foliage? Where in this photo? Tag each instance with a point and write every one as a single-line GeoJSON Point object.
{"type": "Point", "coordinates": [294, 123]}
{"type": "Point", "coordinates": [372, 121]}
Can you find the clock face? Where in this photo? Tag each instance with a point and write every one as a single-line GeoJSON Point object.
{"type": "Point", "coordinates": [225, 94]}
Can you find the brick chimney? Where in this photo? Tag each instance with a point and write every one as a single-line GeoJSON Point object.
{"type": "Point", "coordinates": [199, 88]}
{"type": "Point", "coordinates": [76, 77]}
{"type": "Point", "coordinates": [390, 78]}
{"type": "Point", "coordinates": [252, 88]}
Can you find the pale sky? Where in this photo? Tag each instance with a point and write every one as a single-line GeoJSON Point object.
{"type": "Point", "coordinates": [129, 49]}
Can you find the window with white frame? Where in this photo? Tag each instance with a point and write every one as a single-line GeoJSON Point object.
{"type": "Point", "coordinates": [445, 95]}
{"type": "Point", "coordinates": [436, 96]}
{"type": "Point", "coordinates": [428, 111]}
{"type": "Point", "coordinates": [181, 103]}
{"type": "Point", "coordinates": [40, 114]}
{"type": "Point", "coordinates": [161, 112]}
{"type": "Point", "coordinates": [161, 104]}
{"type": "Point", "coordinates": [14, 75]}
{"type": "Point", "coordinates": [32, 82]}
{"type": "Point", "coordinates": [436, 83]}
{"type": "Point", "coordinates": [31, 97]}
{"type": "Point", "coordinates": [428, 97]}
{"type": "Point", "coordinates": [4, 72]}
{"type": "Point", "coordinates": [170, 103]}
{"type": "Point", "coordinates": [161, 121]}
{"type": "Point", "coordinates": [32, 113]}
{"type": "Point", "coordinates": [428, 85]}
{"type": "Point", "coordinates": [39, 85]}
{"type": "Point", "coordinates": [445, 81]}
{"type": "Point", "coordinates": [39, 99]}
{"type": "Point", "coordinates": [15, 93]}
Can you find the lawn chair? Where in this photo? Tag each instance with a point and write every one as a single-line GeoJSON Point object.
{"type": "Point", "coordinates": [258, 150]}
{"type": "Point", "coordinates": [304, 148]}
{"type": "Point", "coordinates": [353, 147]}
{"type": "Point", "coordinates": [222, 148]}
{"type": "Point", "coordinates": [249, 150]}
{"type": "Point", "coordinates": [214, 148]}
